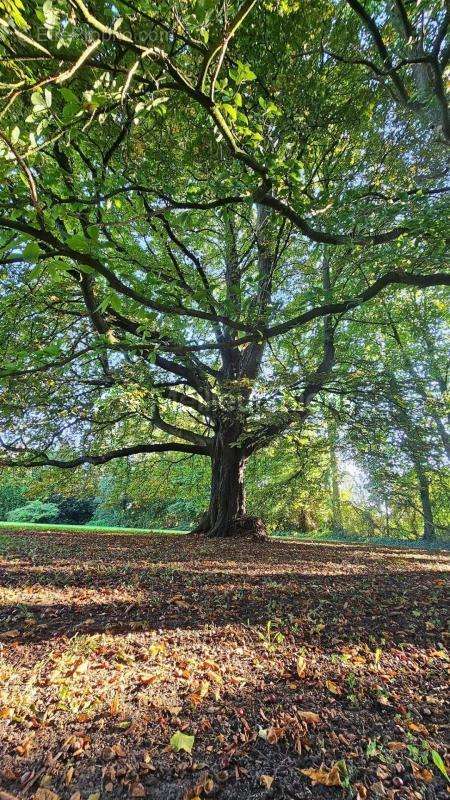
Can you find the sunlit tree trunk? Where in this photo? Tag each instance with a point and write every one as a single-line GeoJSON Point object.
{"type": "Point", "coordinates": [336, 507]}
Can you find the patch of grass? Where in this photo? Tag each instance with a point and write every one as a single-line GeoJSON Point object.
{"type": "Point", "coordinates": [324, 537]}
{"type": "Point", "coordinates": [43, 526]}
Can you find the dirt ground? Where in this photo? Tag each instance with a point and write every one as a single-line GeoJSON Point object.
{"type": "Point", "coordinates": [301, 670]}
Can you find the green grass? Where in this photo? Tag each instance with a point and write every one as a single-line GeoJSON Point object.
{"type": "Point", "coordinates": [44, 526]}
{"type": "Point", "coordinates": [325, 537]}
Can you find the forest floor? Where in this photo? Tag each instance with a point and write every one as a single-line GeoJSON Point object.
{"type": "Point", "coordinates": [175, 668]}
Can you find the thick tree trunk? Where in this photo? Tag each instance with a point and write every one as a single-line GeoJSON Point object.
{"type": "Point", "coordinates": [226, 515]}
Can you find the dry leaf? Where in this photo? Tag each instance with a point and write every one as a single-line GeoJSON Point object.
{"type": "Point", "coordinates": [417, 727]}
{"type": "Point", "coordinates": [421, 773]}
{"type": "Point", "coordinates": [108, 753]}
{"type": "Point", "coordinates": [137, 790]}
{"type": "Point", "coordinates": [309, 716]}
{"type": "Point", "coordinates": [326, 777]}
{"type": "Point", "coordinates": [45, 794]}
{"type": "Point", "coordinates": [146, 680]}
{"type": "Point", "coordinates": [395, 746]}
{"type": "Point", "coordinates": [7, 796]}
{"type": "Point", "coordinates": [68, 776]}
{"type": "Point", "coordinates": [333, 687]}
{"type": "Point", "coordinates": [115, 705]}
{"type": "Point", "coordinates": [301, 666]}
{"type": "Point", "coordinates": [361, 791]}
{"type": "Point", "coordinates": [383, 773]}
{"type": "Point", "coordinates": [273, 734]}
{"type": "Point", "coordinates": [266, 780]}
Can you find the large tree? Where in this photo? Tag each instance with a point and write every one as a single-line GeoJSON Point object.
{"type": "Point", "coordinates": [193, 193]}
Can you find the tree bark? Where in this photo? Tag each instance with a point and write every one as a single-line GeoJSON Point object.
{"type": "Point", "coordinates": [336, 508]}
{"type": "Point", "coordinates": [429, 530]}
{"type": "Point", "coordinates": [226, 515]}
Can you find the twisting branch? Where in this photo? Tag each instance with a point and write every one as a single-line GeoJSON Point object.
{"type": "Point", "coordinates": [96, 459]}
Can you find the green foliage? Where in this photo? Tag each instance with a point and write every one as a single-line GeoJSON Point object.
{"type": "Point", "coordinates": [171, 196]}
{"type": "Point", "coordinates": [73, 510]}
{"type": "Point", "coordinates": [11, 496]}
{"type": "Point", "coordinates": [34, 511]}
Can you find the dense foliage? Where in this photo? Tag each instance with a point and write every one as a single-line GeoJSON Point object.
{"type": "Point", "coordinates": [34, 511]}
{"type": "Point", "coordinates": [222, 229]}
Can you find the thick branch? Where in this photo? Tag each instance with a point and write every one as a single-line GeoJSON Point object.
{"type": "Point", "coordinates": [42, 460]}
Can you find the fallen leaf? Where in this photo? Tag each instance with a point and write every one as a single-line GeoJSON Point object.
{"type": "Point", "coordinates": [7, 796]}
{"type": "Point", "coordinates": [146, 680]}
{"type": "Point", "coordinates": [333, 687]}
{"type": "Point", "coordinates": [42, 793]}
{"type": "Point", "coordinates": [326, 777]}
{"type": "Point", "coordinates": [115, 705]}
{"type": "Point", "coordinates": [181, 741]}
{"type": "Point", "coordinates": [417, 727]}
{"type": "Point", "coordinates": [137, 790]}
{"type": "Point", "coordinates": [421, 773]}
{"type": "Point", "coordinates": [361, 791]}
{"type": "Point", "coordinates": [309, 716]}
{"type": "Point", "coordinates": [68, 776]}
{"type": "Point", "coordinates": [383, 773]}
{"type": "Point", "coordinates": [274, 733]}
{"type": "Point", "coordinates": [266, 780]}
{"type": "Point", "coordinates": [301, 666]}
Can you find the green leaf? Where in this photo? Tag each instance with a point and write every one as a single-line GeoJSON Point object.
{"type": "Point", "coordinates": [438, 762]}
{"type": "Point", "coordinates": [230, 110]}
{"type": "Point", "coordinates": [32, 251]}
{"type": "Point", "coordinates": [38, 101]}
{"type": "Point", "coordinates": [181, 741]}
{"type": "Point", "coordinates": [70, 111]}
{"type": "Point", "coordinates": [78, 242]}
{"type": "Point", "coordinates": [15, 135]}
{"type": "Point", "coordinates": [68, 95]}
{"type": "Point", "coordinates": [93, 232]}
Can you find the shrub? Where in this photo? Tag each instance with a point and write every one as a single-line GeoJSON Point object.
{"type": "Point", "coordinates": [34, 511]}
{"type": "Point", "coordinates": [73, 510]}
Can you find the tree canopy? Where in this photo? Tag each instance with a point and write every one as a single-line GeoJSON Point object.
{"type": "Point", "coordinates": [215, 219]}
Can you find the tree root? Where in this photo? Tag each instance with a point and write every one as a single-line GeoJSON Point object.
{"type": "Point", "coordinates": [247, 527]}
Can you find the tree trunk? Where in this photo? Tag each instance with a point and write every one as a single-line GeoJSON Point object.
{"type": "Point", "coordinates": [336, 507]}
{"type": "Point", "coordinates": [226, 515]}
{"type": "Point", "coordinates": [429, 531]}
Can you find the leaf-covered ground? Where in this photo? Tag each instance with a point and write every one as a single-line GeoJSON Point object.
{"type": "Point", "coordinates": [301, 671]}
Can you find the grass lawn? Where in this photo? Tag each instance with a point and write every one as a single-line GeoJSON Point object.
{"type": "Point", "coordinates": [48, 526]}
{"type": "Point", "coordinates": [301, 670]}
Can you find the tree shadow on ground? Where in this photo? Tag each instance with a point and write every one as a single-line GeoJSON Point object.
{"type": "Point", "coordinates": [104, 658]}
{"type": "Point", "coordinates": [311, 592]}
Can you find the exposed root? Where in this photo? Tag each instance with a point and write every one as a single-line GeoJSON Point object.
{"type": "Point", "coordinates": [243, 527]}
